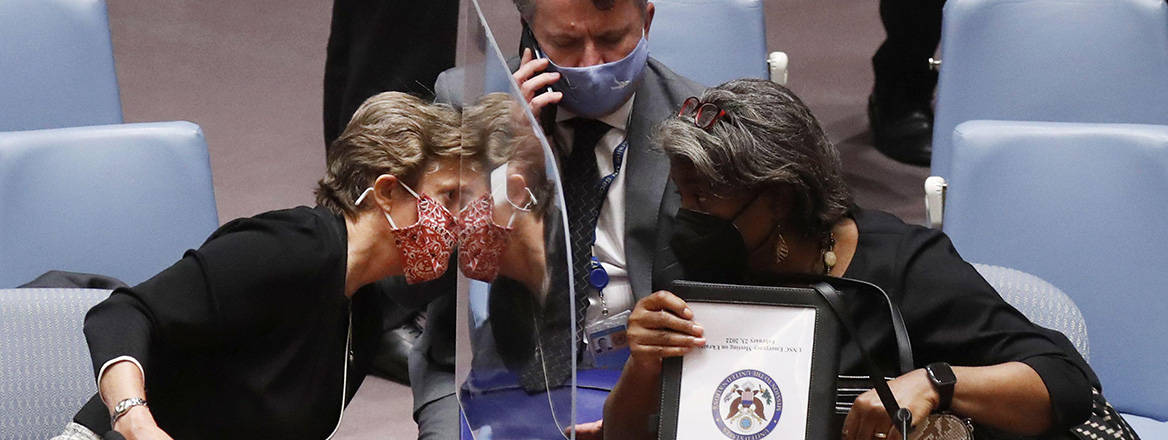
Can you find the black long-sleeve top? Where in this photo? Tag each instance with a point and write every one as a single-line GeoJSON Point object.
{"type": "Point", "coordinates": [952, 315]}
{"type": "Point", "coordinates": [246, 336]}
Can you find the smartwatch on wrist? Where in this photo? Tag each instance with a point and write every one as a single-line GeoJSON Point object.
{"type": "Point", "coordinates": [123, 407]}
{"type": "Point", "coordinates": [943, 380]}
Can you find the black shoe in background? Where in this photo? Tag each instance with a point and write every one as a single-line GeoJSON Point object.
{"type": "Point", "coordinates": [393, 353]}
{"type": "Point", "coordinates": [902, 126]}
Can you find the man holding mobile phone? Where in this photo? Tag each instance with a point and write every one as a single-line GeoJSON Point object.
{"type": "Point", "coordinates": [586, 72]}
{"type": "Point", "coordinates": [599, 94]}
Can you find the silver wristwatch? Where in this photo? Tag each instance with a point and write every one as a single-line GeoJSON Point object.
{"type": "Point", "coordinates": [123, 407]}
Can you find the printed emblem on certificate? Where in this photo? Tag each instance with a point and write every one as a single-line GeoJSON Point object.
{"type": "Point", "coordinates": [767, 370]}
{"type": "Point", "coordinates": [747, 405]}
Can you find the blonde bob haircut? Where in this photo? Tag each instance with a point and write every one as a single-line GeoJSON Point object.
{"type": "Point", "coordinates": [390, 133]}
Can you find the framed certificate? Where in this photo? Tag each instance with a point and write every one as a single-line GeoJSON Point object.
{"type": "Point", "coordinates": [767, 371]}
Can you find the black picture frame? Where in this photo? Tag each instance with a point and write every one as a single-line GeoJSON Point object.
{"type": "Point", "coordinates": [824, 352]}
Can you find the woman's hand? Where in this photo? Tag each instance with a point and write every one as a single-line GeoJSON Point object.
{"type": "Point", "coordinates": [661, 326]}
{"type": "Point", "coordinates": [588, 431]}
{"type": "Point", "coordinates": [1008, 396]}
{"type": "Point", "coordinates": [139, 424]}
{"type": "Point", "coordinates": [124, 380]}
{"type": "Point", "coordinates": [868, 420]}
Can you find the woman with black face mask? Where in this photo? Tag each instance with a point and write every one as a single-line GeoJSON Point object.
{"type": "Point", "coordinates": [762, 195]}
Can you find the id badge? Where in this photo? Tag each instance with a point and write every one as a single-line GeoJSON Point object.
{"type": "Point", "coordinates": [608, 341]}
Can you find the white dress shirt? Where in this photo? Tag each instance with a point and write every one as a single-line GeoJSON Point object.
{"type": "Point", "coordinates": [610, 226]}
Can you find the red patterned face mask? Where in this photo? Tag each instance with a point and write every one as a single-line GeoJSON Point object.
{"type": "Point", "coordinates": [426, 245]}
{"type": "Point", "coordinates": [481, 242]}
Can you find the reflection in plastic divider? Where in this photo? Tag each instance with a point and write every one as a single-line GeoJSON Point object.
{"type": "Point", "coordinates": [516, 369]}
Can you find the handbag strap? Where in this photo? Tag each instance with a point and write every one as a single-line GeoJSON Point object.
{"type": "Point", "coordinates": [900, 416]}
{"type": "Point", "coordinates": [903, 344]}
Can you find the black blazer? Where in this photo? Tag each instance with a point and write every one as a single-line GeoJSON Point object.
{"type": "Point", "coordinates": [244, 337]}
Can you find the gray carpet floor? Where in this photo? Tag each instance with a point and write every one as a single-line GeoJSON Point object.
{"type": "Point", "coordinates": [250, 73]}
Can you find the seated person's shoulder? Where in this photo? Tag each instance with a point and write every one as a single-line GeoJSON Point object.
{"type": "Point", "coordinates": [675, 80]}
{"type": "Point", "coordinates": [887, 228]}
{"type": "Point", "coordinates": [448, 86]}
{"type": "Point", "coordinates": [895, 250]}
{"type": "Point", "coordinates": [289, 242]}
{"type": "Point", "coordinates": [299, 222]}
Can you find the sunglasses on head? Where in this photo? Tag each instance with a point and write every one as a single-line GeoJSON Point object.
{"type": "Point", "coordinates": [704, 115]}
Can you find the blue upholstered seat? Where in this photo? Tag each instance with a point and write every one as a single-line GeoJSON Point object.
{"type": "Point", "coordinates": [122, 200]}
{"type": "Point", "coordinates": [1082, 206]}
{"type": "Point", "coordinates": [1040, 301]}
{"type": "Point", "coordinates": [45, 370]}
{"type": "Point", "coordinates": [56, 65]}
{"type": "Point", "coordinates": [1100, 61]}
{"type": "Point", "coordinates": [710, 41]}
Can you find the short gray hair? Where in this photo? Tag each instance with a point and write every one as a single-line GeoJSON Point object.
{"type": "Point", "coordinates": [768, 139]}
{"type": "Point", "coordinates": [527, 7]}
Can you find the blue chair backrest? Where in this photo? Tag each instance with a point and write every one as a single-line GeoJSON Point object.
{"type": "Point", "coordinates": [1050, 60]}
{"type": "Point", "coordinates": [710, 41]}
{"type": "Point", "coordinates": [56, 65]}
{"type": "Point", "coordinates": [120, 200]}
{"type": "Point", "coordinates": [44, 360]}
{"type": "Point", "coordinates": [1082, 206]}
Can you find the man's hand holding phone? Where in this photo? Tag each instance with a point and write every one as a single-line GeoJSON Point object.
{"type": "Point", "coordinates": [534, 82]}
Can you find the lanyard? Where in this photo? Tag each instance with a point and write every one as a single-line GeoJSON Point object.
{"type": "Point", "coordinates": [618, 158]}
{"type": "Point", "coordinates": [597, 276]}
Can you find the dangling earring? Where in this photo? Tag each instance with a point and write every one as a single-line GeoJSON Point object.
{"type": "Point", "coordinates": [829, 257]}
{"type": "Point", "coordinates": [781, 251]}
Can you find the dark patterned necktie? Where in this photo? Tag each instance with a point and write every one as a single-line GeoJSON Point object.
{"type": "Point", "coordinates": [583, 199]}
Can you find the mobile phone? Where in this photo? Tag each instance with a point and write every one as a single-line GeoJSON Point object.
{"type": "Point", "coordinates": [528, 41]}
{"type": "Point", "coordinates": [547, 117]}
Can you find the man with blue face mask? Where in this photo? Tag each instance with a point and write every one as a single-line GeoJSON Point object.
{"type": "Point", "coordinates": [599, 93]}
{"type": "Point", "coordinates": [608, 94]}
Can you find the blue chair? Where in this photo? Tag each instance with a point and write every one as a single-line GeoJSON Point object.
{"type": "Point", "coordinates": [1041, 302]}
{"type": "Point", "coordinates": [56, 65]}
{"type": "Point", "coordinates": [1082, 206]}
{"type": "Point", "coordinates": [44, 360]}
{"type": "Point", "coordinates": [491, 406]}
{"type": "Point", "coordinates": [710, 41]}
{"type": "Point", "coordinates": [1101, 61]}
{"type": "Point", "coordinates": [119, 200]}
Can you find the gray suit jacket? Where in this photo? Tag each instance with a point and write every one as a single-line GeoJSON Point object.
{"type": "Point", "coordinates": [651, 207]}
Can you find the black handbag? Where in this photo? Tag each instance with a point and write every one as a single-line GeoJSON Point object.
{"type": "Point", "coordinates": [936, 426]}
{"type": "Point", "coordinates": [1104, 422]}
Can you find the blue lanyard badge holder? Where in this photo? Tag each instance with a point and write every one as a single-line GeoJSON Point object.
{"type": "Point", "coordinates": [608, 341]}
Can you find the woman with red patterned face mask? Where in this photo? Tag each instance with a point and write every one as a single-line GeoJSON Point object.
{"type": "Point", "coordinates": [502, 235]}
{"type": "Point", "coordinates": [426, 245]}
{"type": "Point", "coordinates": [482, 241]}
{"type": "Point", "coordinates": [283, 307]}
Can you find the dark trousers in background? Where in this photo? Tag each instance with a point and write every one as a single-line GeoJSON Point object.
{"type": "Point", "coordinates": [913, 29]}
{"type": "Point", "coordinates": [383, 45]}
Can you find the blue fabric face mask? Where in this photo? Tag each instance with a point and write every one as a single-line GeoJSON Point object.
{"type": "Point", "coordinates": [595, 91]}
